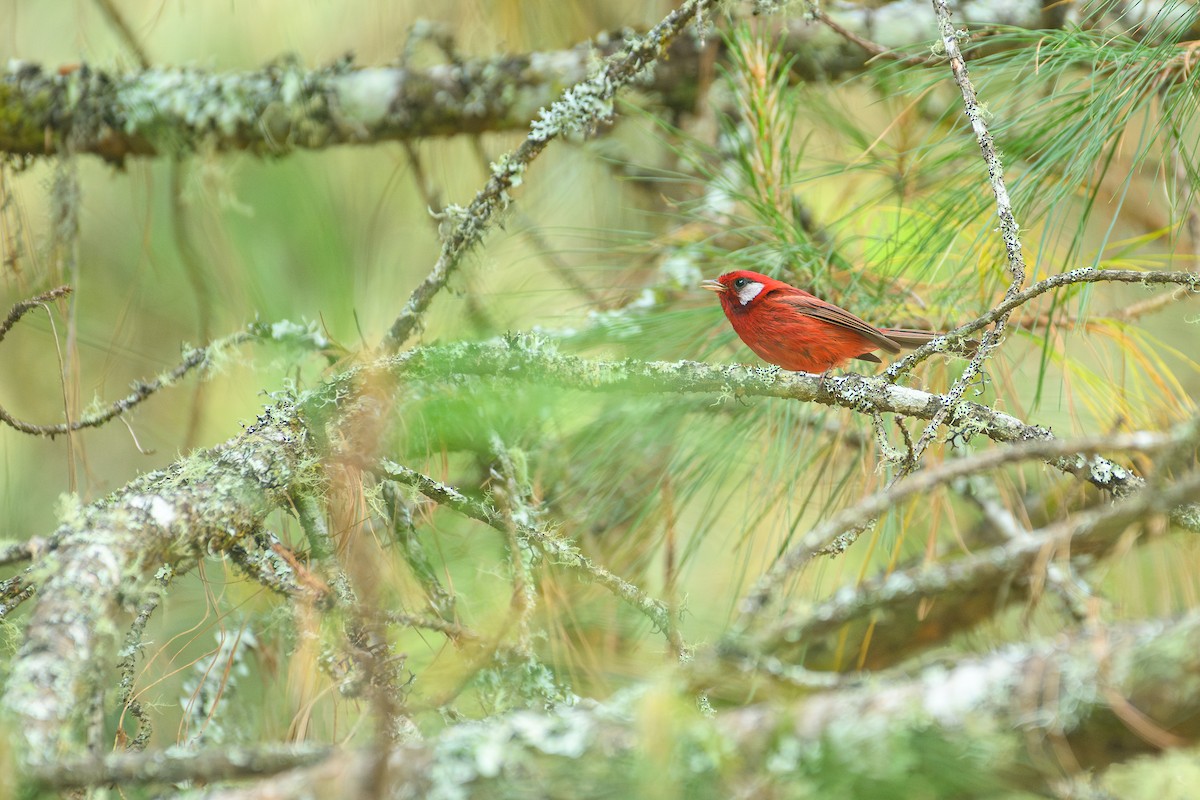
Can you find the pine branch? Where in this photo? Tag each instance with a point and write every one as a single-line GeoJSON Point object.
{"type": "Point", "coordinates": [532, 360]}
{"type": "Point", "coordinates": [1112, 694]}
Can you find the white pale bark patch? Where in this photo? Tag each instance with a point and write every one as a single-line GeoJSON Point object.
{"type": "Point", "coordinates": [749, 292]}
{"type": "Point", "coordinates": [161, 511]}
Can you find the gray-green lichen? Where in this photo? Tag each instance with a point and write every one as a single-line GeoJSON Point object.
{"type": "Point", "coordinates": [111, 554]}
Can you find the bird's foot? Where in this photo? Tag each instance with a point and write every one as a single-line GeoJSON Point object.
{"type": "Point", "coordinates": [822, 387]}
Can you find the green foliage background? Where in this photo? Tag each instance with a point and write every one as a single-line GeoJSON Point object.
{"type": "Point", "coordinates": [905, 233]}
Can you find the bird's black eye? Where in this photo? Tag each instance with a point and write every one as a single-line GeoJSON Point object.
{"type": "Point", "coordinates": [740, 284]}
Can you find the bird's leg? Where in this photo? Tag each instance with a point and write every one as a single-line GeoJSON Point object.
{"type": "Point", "coordinates": [821, 381]}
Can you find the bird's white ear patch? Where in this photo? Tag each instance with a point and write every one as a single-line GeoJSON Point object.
{"type": "Point", "coordinates": [749, 292]}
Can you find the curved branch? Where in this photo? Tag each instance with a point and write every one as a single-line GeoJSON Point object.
{"type": "Point", "coordinates": [579, 108]}
{"type": "Point", "coordinates": [141, 391]}
{"type": "Point", "coordinates": [559, 550]}
{"type": "Point", "coordinates": [532, 360]}
{"type": "Point", "coordinates": [1187, 281]}
{"type": "Point", "coordinates": [821, 537]}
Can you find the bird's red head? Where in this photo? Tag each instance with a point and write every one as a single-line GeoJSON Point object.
{"type": "Point", "coordinates": [740, 290]}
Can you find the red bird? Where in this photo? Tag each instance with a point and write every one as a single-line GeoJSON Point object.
{"type": "Point", "coordinates": [797, 331]}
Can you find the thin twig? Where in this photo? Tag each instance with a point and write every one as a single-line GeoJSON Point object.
{"type": "Point", "coordinates": [580, 107]}
{"type": "Point", "coordinates": [142, 390]}
{"type": "Point", "coordinates": [404, 534]}
{"type": "Point", "coordinates": [126, 666]}
{"type": "Point", "coordinates": [820, 538]}
{"type": "Point", "coordinates": [1008, 224]}
{"type": "Point", "coordinates": [530, 231]}
{"type": "Point", "coordinates": [875, 49]}
{"type": "Point", "coordinates": [1187, 281]}
{"type": "Point", "coordinates": [452, 630]}
{"type": "Point", "coordinates": [557, 549]}
{"type": "Point", "coordinates": [514, 501]}
{"type": "Point", "coordinates": [23, 307]}
{"type": "Point", "coordinates": [117, 20]}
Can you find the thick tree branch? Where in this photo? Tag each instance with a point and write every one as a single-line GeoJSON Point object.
{"type": "Point", "coordinates": [285, 107]}
{"type": "Point", "coordinates": [178, 766]}
{"type": "Point", "coordinates": [533, 360]}
{"type": "Point", "coordinates": [822, 537]}
{"type": "Point", "coordinates": [109, 555]}
{"type": "Point", "coordinates": [994, 721]}
{"type": "Point", "coordinates": [989, 579]}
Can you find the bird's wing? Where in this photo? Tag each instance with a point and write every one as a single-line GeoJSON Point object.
{"type": "Point", "coordinates": [828, 312]}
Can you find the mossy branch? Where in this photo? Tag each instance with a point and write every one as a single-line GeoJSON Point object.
{"type": "Point", "coordinates": [110, 554]}
{"type": "Point", "coordinates": [558, 550]}
{"type": "Point", "coordinates": [533, 360]}
{"type": "Point", "coordinates": [1099, 691]}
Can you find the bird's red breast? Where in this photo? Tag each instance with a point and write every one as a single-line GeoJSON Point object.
{"type": "Point", "coordinates": [795, 330]}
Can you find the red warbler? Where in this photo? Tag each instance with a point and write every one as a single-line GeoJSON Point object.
{"type": "Point", "coordinates": [795, 330]}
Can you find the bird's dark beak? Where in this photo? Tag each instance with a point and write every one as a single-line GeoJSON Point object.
{"type": "Point", "coordinates": [713, 286]}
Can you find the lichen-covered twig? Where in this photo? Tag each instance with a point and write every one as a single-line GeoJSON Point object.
{"type": "Point", "coordinates": [1188, 282]}
{"type": "Point", "coordinates": [109, 553]}
{"type": "Point", "coordinates": [193, 358]}
{"type": "Point", "coordinates": [451, 630]}
{"type": "Point", "coordinates": [1009, 230]}
{"type": "Point", "coordinates": [23, 307]}
{"type": "Point", "coordinates": [404, 534]}
{"type": "Point", "coordinates": [581, 107]}
{"type": "Point", "coordinates": [558, 550]}
{"type": "Point", "coordinates": [979, 577]}
{"type": "Point", "coordinates": [127, 664]}
{"type": "Point", "coordinates": [823, 536]}
{"type": "Point", "coordinates": [516, 507]}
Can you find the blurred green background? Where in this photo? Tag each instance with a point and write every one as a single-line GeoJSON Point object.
{"type": "Point", "coordinates": [342, 236]}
